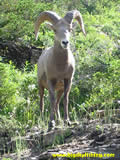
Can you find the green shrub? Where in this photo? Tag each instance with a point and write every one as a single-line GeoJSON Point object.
{"type": "Point", "coordinates": [96, 79]}
{"type": "Point", "coordinates": [105, 91]}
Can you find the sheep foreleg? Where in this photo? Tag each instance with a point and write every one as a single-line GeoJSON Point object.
{"type": "Point", "coordinates": [67, 87]}
{"type": "Point", "coordinates": [51, 85]}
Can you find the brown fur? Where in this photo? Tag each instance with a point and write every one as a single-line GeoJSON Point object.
{"type": "Point", "coordinates": [56, 65]}
{"type": "Point", "coordinates": [56, 74]}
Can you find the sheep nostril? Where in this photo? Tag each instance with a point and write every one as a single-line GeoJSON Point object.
{"type": "Point", "coordinates": [65, 42]}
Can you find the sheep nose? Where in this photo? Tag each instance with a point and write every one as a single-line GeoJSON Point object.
{"type": "Point", "coordinates": [65, 42]}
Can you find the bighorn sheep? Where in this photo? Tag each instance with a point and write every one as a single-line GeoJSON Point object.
{"type": "Point", "coordinates": [56, 65]}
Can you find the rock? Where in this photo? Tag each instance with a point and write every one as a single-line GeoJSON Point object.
{"type": "Point", "coordinates": [19, 53]}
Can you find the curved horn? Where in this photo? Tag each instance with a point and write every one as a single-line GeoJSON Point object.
{"type": "Point", "coordinates": [46, 16]}
{"type": "Point", "coordinates": [75, 15]}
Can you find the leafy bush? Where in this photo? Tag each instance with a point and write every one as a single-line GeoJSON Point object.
{"type": "Point", "coordinates": [17, 92]}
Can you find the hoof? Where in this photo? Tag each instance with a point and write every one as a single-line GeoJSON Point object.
{"type": "Point", "coordinates": [67, 122]}
{"type": "Point", "coordinates": [51, 125]}
{"type": "Point", "coordinates": [59, 121]}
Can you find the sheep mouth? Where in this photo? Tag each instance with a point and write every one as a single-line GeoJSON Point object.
{"type": "Point", "coordinates": [64, 46]}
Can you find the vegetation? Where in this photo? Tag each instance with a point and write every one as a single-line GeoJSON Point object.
{"type": "Point", "coordinates": [96, 82]}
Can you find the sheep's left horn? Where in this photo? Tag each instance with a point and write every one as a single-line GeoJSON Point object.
{"type": "Point", "coordinates": [75, 15]}
{"type": "Point", "coordinates": [46, 16]}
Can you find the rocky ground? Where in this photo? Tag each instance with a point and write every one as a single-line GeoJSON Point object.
{"type": "Point", "coordinates": [85, 138]}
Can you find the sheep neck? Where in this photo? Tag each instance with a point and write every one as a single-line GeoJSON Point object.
{"type": "Point", "coordinates": [60, 54]}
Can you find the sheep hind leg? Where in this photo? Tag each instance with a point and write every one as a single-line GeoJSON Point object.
{"type": "Point", "coordinates": [59, 94]}
{"type": "Point", "coordinates": [41, 92]}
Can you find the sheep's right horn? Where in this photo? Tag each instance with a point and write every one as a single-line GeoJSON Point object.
{"type": "Point", "coordinates": [75, 15]}
{"type": "Point", "coordinates": [46, 16]}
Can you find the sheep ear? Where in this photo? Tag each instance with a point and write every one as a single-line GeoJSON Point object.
{"type": "Point", "coordinates": [50, 26]}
